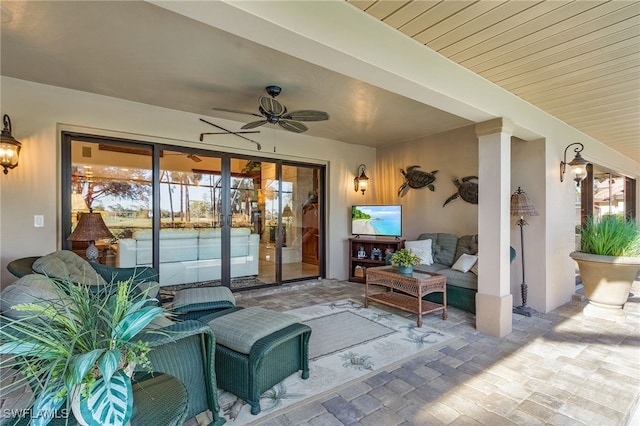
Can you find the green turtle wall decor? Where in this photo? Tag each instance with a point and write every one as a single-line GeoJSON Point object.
{"type": "Point", "coordinates": [416, 179]}
{"type": "Point", "coordinates": [467, 190]}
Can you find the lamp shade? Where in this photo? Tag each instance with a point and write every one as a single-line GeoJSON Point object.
{"type": "Point", "coordinates": [90, 227]}
{"type": "Point", "coordinates": [521, 205]}
{"type": "Point", "coordinates": [287, 212]}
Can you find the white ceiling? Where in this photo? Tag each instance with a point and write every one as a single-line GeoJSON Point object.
{"type": "Point", "coordinates": [579, 61]}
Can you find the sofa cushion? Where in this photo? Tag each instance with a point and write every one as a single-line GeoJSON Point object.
{"type": "Point", "coordinates": [32, 288]}
{"type": "Point", "coordinates": [176, 245]}
{"type": "Point", "coordinates": [66, 265]}
{"type": "Point", "coordinates": [443, 247]}
{"type": "Point", "coordinates": [461, 279]}
{"type": "Point", "coordinates": [422, 249]}
{"type": "Point", "coordinates": [467, 244]}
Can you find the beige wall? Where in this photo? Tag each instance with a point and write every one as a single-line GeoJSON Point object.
{"type": "Point", "coordinates": [39, 112]}
{"type": "Point", "coordinates": [453, 154]}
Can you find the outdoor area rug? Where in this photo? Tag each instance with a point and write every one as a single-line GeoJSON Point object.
{"type": "Point", "coordinates": [348, 342]}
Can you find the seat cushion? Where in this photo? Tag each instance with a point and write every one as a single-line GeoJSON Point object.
{"type": "Point", "coordinates": [239, 330]}
{"type": "Point", "coordinates": [66, 265]}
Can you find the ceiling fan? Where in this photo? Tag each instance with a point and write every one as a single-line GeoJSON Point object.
{"type": "Point", "coordinates": [272, 111]}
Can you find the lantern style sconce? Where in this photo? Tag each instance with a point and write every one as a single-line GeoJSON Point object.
{"type": "Point", "coordinates": [578, 165]}
{"type": "Point", "coordinates": [9, 147]}
{"type": "Point", "coordinates": [360, 182]}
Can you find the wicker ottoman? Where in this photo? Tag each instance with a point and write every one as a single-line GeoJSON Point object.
{"type": "Point", "coordinates": [193, 303]}
{"type": "Point", "coordinates": [256, 349]}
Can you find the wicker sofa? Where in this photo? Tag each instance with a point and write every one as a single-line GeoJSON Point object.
{"type": "Point", "coordinates": [461, 286]}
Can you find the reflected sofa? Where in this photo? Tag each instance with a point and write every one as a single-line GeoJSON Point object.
{"type": "Point", "coordinates": [191, 255]}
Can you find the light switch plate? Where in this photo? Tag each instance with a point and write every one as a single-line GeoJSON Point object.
{"type": "Point", "coordinates": [38, 221]}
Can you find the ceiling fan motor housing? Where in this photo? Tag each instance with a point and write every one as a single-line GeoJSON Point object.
{"type": "Point", "coordinates": [273, 90]}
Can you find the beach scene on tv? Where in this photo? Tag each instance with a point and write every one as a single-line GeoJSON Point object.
{"type": "Point", "coordinates": [377, 220]}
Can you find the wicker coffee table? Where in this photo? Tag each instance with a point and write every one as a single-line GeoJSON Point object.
{"type": "Point", "coordinates": [406, 291]}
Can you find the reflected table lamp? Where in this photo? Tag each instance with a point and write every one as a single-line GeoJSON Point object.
{"type": "Point", "coordinates": [522, 206]}
{"type": "Point", "coordinates": [91, 227]}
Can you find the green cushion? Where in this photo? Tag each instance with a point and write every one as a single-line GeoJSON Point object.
{"type": "Point", "coordinates": [32, 288]}
{"type": "Point", "coordinates": [66, 265]}
{"type": "Point", "coordinates": [239, 330]}
{"type": "Point", "coordinates": [443, 247]}
{"type": "Point", "coordinates": [467, 244]}
{"type": "Point", "coordinates": [455, 278]}
{"type": "Point", "coordinates": [197, 295]}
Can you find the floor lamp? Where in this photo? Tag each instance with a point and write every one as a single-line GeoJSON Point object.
{"type": "Point", "coordinates": [521, 206]}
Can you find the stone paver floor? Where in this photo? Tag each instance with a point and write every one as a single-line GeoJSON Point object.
{"type": "Point", "coordinates": [559, 368]}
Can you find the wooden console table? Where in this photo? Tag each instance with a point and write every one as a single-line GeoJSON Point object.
{"type": "Point", "coordinates": [410, 290]}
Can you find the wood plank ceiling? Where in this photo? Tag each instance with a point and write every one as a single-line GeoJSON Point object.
{"type": "Point", "coordinates": [577, 60]}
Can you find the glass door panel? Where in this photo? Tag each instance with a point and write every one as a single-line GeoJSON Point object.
{"type": "Point", "coordinates": [191, 217]}
{"type": "Point", "coordinates": [253, 199]}
{"type": "Point", "coordinates": [301, 222]}
{"type": "Point", "coordinates": [115, 181]}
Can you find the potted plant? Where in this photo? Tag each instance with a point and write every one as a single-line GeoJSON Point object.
{"type": "Point", "coordinates": [82, 344]}
{"type": "Point", "coordinates": [405, 260]}
{"type": "Point", "coordinates": [608, 261]}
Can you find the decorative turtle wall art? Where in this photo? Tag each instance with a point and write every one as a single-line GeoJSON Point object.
{"type": "Point", "coordinates": [416, 179]}
{"type": "Point", "coordinates": [467, 190]}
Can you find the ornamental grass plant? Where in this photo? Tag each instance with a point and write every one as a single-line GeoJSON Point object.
{"type": "Point", "coordinates": [611, 235]}
{"type": "Point", "coordinates": [79, 341]}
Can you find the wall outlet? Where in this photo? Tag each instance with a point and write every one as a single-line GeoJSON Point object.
{"type": "Point", "coordinates": [38, 221]}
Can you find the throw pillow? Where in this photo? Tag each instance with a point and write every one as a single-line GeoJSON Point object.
{"type": "Point", "coordinates": [422, 249]}
{"type": "Point", "coordinates": [474, 268]}
{"type": "Point", "coordinates": [465, 262]}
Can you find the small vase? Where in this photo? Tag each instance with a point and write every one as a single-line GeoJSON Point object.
{"type": "Point", "coordinates": [405, 270]}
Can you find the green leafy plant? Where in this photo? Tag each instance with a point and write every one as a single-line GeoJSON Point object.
{"type": "Point", "coordinates": [404, 257]}
{"type": "Point", "coordinates": [612, 235]}
{"type": "Point", "coordinates": [80, 342]}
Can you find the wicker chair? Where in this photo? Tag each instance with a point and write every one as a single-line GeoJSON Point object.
{"type": "Point", "coordinates": [185, 350]}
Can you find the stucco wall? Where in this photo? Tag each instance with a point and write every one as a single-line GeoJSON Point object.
{"type": "Point", "coordinates": [39, 112]}
{"type": "Point", "coordinates": [452, 154]}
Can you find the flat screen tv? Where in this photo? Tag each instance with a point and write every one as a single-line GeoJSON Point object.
{"type": "Point", "coordinates": [377, 220]}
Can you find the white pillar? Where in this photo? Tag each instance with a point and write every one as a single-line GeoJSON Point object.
{"type": "Point", "coordinates": [494, 302]}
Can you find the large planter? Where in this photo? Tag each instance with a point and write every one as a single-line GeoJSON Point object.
{"type": "Point", "coordinates": [607, 282]}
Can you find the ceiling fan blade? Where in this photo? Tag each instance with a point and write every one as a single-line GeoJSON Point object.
{"type": "Point", "coordinates": [236, 111]}
{"type": "Point", "coordinates": [194, 157]}
{"type": "Point", "coordinates": [271, 106]}
{"type": "Point", "coordinates": [254, 124]}
{"type": "Point", "coordinates": [292, 126]}
{"type": "Point", "coordinates": [307, 115]}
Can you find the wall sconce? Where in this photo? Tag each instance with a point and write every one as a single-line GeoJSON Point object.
{"type": "Point", "coordinates": [578, 165]}
{"type": "Point", "coordinates": [360, 182]}
{"type": "Point", "coordinates": [9, 147]}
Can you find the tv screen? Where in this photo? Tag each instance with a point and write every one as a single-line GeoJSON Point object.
{"type": "Point", "coordinates": [376, 220]}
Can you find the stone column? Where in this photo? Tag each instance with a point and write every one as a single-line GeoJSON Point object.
{"type": "Point", "coordinates": [494, 302]}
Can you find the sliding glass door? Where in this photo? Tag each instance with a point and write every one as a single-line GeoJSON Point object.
{"type": "Point", "coordinates": [199, 217]}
